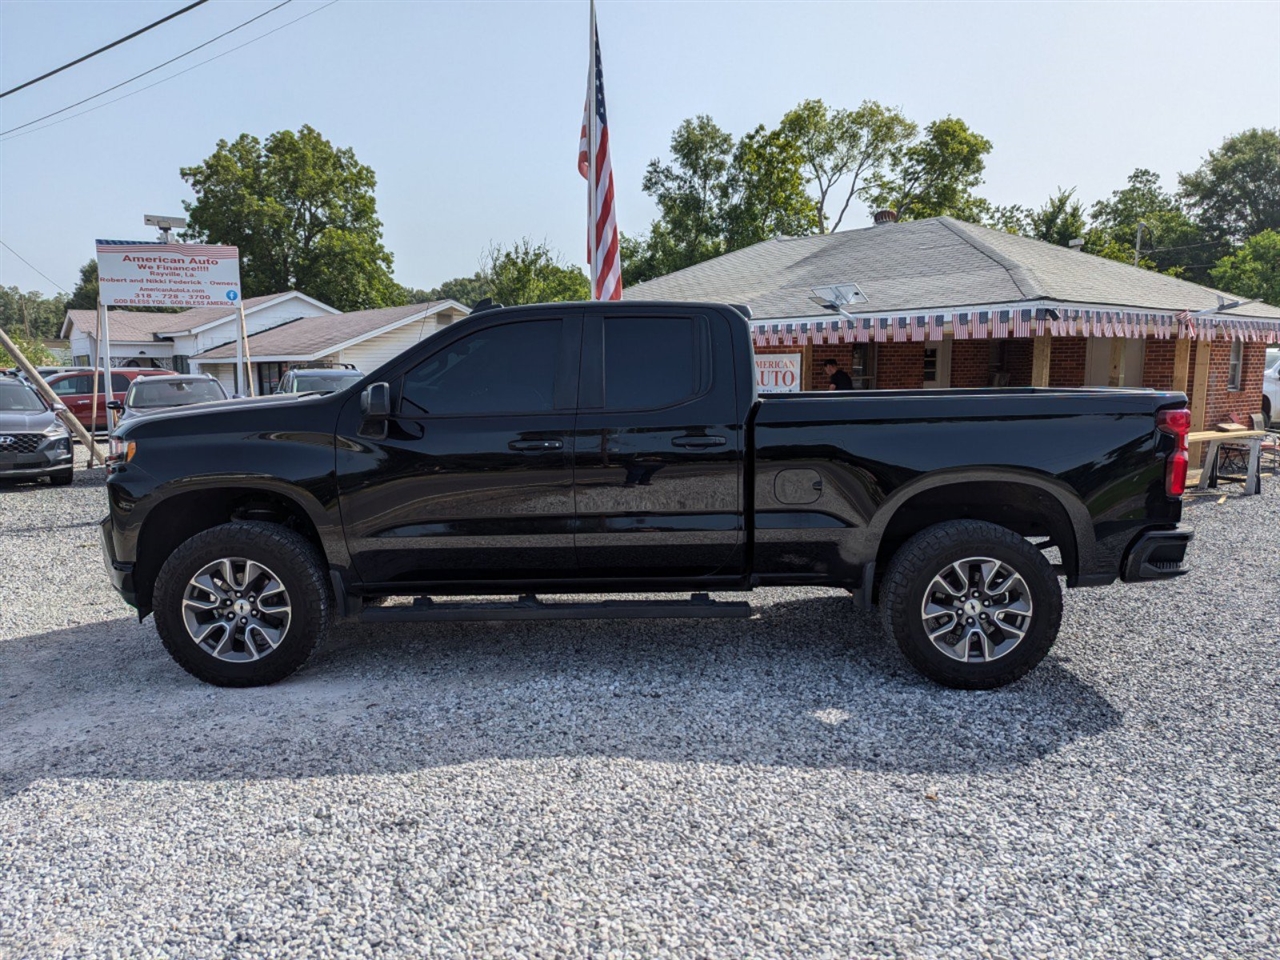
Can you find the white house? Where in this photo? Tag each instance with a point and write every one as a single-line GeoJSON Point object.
{"type": "Point", "coordinates": [364, 338]}
{"type": "Point", "coordinates": [168, 340]}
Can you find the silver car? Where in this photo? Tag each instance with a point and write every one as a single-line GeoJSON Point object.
{"type": "Point", "coordinates": [33, 441]}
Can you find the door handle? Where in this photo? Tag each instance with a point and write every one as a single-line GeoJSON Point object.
{"type": "Point", "coordinates": [698, 441]}
{"type": "Point", "coordinates": [535, 445]}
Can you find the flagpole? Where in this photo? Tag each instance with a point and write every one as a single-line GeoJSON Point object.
{"type": "Point", "coordinates": [593, 253]}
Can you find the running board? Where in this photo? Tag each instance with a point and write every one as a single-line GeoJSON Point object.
{"type": "Point", "coordinates": [529, 607]}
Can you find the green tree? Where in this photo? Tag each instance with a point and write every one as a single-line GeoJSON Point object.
{"type": "Point", "coordinates": [466, 290]}
{"type": "Point", "coordinates": [1171, 241]}
{"type": "Point", "coordinates": [35, 351]}
{"type": "Point", "coordinates": [31, 314]}
{"type": "Point", "coordinates": [690, 192]}
{"type": "Point", "coordinates": [935, 174]}
{"type": "Point", "coordinates": [1059, 221]}
{"type": "Point", "coordinates": [302, 213]}
{"type": "Point", "coordinates": [85, 294]}
{"type": "Point", "coordinates": [1235, 193]}
{"type": "Point", "coordinates": [1253, 271]}
{"type": "Point", "coordinates": [841, 150]}
{"type": "Point", "coordinates": [764, 191]}
{"type": "Point", "coordinates": [529, 272]}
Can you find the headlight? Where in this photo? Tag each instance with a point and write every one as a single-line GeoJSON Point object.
{"type": "Point", "coordinates": [56, 429]}
{"type": "Point", "coordinates": [120, 451]}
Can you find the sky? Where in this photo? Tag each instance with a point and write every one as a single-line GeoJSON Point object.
{"type": "Point", "coordinates": [469, 112]}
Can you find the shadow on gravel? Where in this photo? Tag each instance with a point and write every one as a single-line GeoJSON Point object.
{"type": "Point", "coordinates": [809, 684]}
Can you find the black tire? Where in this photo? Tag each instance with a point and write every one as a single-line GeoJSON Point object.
{"type": "Point", "coordinates": [292, 559]}
{"type": "Point", "coordinates": [63, 478]}
{"type": "Point", "coordinates": [907, 587]}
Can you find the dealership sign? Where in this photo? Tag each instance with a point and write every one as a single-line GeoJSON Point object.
{"type": "Point", "coordinates": [778, 373]}
{"type": "Point", "coordinates": [140, 274]}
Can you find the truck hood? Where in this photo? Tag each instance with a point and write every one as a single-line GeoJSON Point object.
{"type": "Point", "coordinates": [222, 408]}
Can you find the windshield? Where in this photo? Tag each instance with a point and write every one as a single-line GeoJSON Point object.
{"type": "Point", "coordinates": [1273, 362]}
{"type": "Point", "coordinates": [19, 398]}
{"type": "Point", "coordinates": [165, 392]}
{"type": "Point", "coordinates": [326, 382]}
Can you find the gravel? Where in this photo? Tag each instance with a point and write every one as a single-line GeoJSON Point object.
{"type": "Point", "coordinates": [784, 786]}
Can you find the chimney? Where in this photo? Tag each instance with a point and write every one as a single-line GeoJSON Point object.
{"type": "Point", "coordinates": [882, 217]}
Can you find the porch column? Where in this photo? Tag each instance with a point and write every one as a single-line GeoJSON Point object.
{"type": "Point", "coordinates": [1200, 396]}
{"type": "Point", "coordinates": [1115, 378]}
{"type": "Point", "coordinates": [1181, 363]}
{"type": "Point", "coordinates": [1041, 351]}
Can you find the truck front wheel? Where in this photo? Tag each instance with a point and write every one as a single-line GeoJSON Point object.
{"type": "Point", "coordinates": [242, 604]}
{"type": "Point", "coordinates": [971, 604]}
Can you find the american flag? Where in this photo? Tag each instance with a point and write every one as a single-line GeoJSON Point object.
{"type": "Point", "coordinates": [593, 164]}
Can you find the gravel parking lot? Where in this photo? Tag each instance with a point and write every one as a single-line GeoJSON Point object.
{"type": "Point", "coordinates": [784, 786]}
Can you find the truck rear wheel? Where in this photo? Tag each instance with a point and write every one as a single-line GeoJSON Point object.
{"type": "Point", "coordinates": [243, 604]}
{"type": "Point", "coordinates": [971, 604]}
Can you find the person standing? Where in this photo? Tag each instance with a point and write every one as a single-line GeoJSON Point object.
{"type": "Point", "coordinates": [838, 379]}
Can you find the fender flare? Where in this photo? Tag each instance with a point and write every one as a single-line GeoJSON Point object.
{"type": "Point", "coordinates": [1064, 495]}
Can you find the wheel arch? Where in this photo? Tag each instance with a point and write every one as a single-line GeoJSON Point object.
{"type": "Point", "coordinates": [1027, 503]}
{"type": "Point", "coordinates": [184, 513]}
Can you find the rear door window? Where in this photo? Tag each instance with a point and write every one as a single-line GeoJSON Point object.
{"type": "Point", "coordinates": [119, 383]}
{"type": "Point", "coordinates": [73, 385]}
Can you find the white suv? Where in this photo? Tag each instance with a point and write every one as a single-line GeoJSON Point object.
{"type": "Point", "coordinates": [1271, 386]}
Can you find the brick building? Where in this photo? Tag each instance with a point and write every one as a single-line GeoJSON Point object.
{"type": "Point", "coordinates": [941, 303]}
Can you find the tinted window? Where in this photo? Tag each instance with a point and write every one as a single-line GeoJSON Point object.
{"type": "Point", "coordinates": [71, 385]}
{"type": "Point", "coordinates": [325, 381]}
{"type": "Point", "coordinates": [506, 369]}
{"type": "Point", "coordinates": [154, 392]}
{"type": "Point", "coordinates": [650, 362]}
{"type": "Point", "coordinates": [119, 383]}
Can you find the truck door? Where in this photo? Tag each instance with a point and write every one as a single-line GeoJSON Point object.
{"type": "Point", "coordinates": [473, 478]}
{"type": "Point", "coordinates": [658, 447]}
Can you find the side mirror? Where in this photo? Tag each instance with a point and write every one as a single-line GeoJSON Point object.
{"type": "Point", "coordinates": [59, 407]}
{"type": "Point", "coordinates": [115, 405]}
{"type": "Point", "coordinates": [375, 401]}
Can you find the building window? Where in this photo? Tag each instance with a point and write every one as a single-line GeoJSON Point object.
{"type": "Point", "coordinates": [1236, 365]}
{"type": "Point", "coordinates": [181, 364]}
{"type": "Point", "coordinates": [862, 369]}
{"type": "Point", "coordinates": [269, 375]}
{"type": "Point", "coordinates": [80, 360]}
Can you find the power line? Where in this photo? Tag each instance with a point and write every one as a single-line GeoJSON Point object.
{"type": "Point", "coordinates": [144, 73]}
{"type": "Point", "coordinates": [172, 75]}
{"type": "Point", "coordinates": [114, 43]}
{"type": "Point", "coordinates": [33, 267]}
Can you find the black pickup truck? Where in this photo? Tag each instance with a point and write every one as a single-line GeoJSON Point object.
{"type": "Point", "coordinates": [623, 448]}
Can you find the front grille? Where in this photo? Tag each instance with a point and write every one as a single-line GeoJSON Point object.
{"type": "Point", "coordinates": [20, 442]}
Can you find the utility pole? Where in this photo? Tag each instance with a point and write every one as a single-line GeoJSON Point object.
{"type": "Point", "coordinates": [1137, 244]}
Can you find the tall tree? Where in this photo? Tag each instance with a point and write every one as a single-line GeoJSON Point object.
{"type": "Point", "coordinates": [1235, 193]}
{"type": "Point", "coordinates": [466, 290]}
{"type": "Point", "coordinates": [302, 213]}
{"type": "Point", "coordinates": [1253, 271]}
{"type": "Point", "coordinates": [1059, 221]}
{"type": "Point", "coordinates": [840, 150]}
{"type": "Point", "coordinates": [85, 294]}
{"type": "Point", "coordinates": [764, 191]}
{"type": "Point", "coordinates": [1171, 241]}
{"type": "Point", "coordinates": [935, 175]}
{"type": "Point", "coordinates": [31, 314]}
{"type": "Point", "coordinates": [690, 192]}
{"type": "Point", "coordinates": [528, 272]}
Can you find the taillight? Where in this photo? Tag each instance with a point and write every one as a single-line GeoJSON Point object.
{"type": "Point", "coordinates": [1176, 423]}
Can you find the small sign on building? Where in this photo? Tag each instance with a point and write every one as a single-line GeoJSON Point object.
{"type": "Point", "coordinates": [135, 273]}
{"type": "Point", "coordinates": [778, 372]}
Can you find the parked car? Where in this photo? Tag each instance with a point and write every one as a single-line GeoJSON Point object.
{"type": "Point", "coordinates": [1271, 386]}
{"type": "Point", "coordinates": [76, 391]}
{"type": "Point", "coordinates": [158, 393]}
{"type": "Point", "coordinates": [326, 378]}
{"type": "Point", "coordinates": [33, 441]}
{"type": "Point", "coordinates": [622, 447]}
